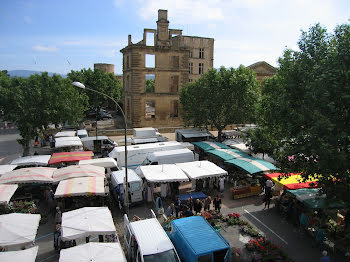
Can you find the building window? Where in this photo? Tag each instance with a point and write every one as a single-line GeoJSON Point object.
{"type": "Point", "coordinates": [190, 66]}
{"type": "Point", "coordinates": [174, 88]}
{"type": "Point", "coordinates": [201, 52]}
{"type": "Point", "coordinates": [190, 80]}
{"type": "Point", "coordinates": [150, 109]}
{"type": "Point", "coordinates": [200, 68]}
{"type": "Point", "coordinates": [191, 54]}
{"type": "Point", "coordinates": [150, 61]}
{"type": "Point", "coordinates": [174, 109]}
{"type": "Point", "coordinates": [127, 62]}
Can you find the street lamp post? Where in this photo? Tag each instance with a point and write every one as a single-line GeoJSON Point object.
{"type": "Point", "coordinates": [126, 197]}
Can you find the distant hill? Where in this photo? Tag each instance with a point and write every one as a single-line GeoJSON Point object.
{"type": "Point", "coordinates": [27, 73]}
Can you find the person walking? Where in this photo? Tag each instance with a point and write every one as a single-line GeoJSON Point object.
{"type": "Point", "coordinates": [268, 196]}
{"type": "Point", "coordinates": [171, 212]}
{"type": "Point", "coordinates": [222, 185]}
{"type": "Point", "coordinates": [58, 216]}
{"type": "Point", "coordinates": [177, 205]}
{"type": "Point", "coordinates": [217, 203]}
{"type": "Point", "coordinates": [207, 203]}
{"type": "Point", "coordinates": [325, 257]}
{"type": "Point", "coordinates": [197, 206]}
{"type": "Point", "coordinates": [159, 206]}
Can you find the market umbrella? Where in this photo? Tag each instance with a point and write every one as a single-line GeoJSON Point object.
{"type": "Point", "coordinates": [93, 251]}
{"type": "Point", "coordinates": [78, 171]}
{"type": "Point", "coordinates": [6, 192]}
{"type": "Point", "coordinates": [70, 157]}
{"type": "Point", "coordinates": [163, 173]}
{"type": "Point", "coordinates": [87, 221]}
{"type": "Point", "coordinates": [81, 186]}
{"type": "Point", "coordinates": [26, 255]}
{"type": "Point", "coordinates": [18, 228]}
{"type": "Point", "coordinates": [201, 169]}
{"type": "Point", "coordinates": [28, 175]}
{"type": "Point", "coordinates": [6, 168]}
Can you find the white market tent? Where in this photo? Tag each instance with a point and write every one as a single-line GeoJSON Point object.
{"type": "Point", "coordinates": [68, 142]}
{"type": "Point", "coordinates": [18, 229]}
{"type": "Point", "coordinates": [163, 173]}
{"type": "Point", "coordinates": [87, 221]}
{"type": "Point", "coordinates": [106, 162]}
{"type": "Point", "coordinates": [78, 171]}
{"type": "Point", "coordinates": [28, 175]}
{"type": "Point", "coordinates": [6, 192]}
{"type": "Point", "coordinates": [93, 251]}
{"type": "Point", "coordinates": [201, 169]}
{"type": "Point", "coordinates": [119, 176]}
{"type": "Point", "coordinates": [65, 134]}
{"type": "Point", "coordinates": [6, 168]}
{"type": "Point", "coordinates": [81, 186]}
{"type": "Point", "coordinates": [39, 160]}
{"type": "Point", "coordinates": [26, 255]}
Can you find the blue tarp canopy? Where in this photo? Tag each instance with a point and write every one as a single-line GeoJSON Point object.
{"type": "Point", "coordinates": [206, 145]}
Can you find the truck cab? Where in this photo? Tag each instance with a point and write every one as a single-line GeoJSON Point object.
{"type": "Point", "coordinates": [146, 241]}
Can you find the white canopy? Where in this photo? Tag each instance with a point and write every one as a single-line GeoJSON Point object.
{"type": "Point", "coordinates": [78, 171]}
{"type": "Point", "coordinates": [163, 173]}
{"type": "Point", "coordinates": [65, 134]}
{"type": "Point", "coordinates": [26, 255]}
{"type": "Point", "coordinates": [68, 142]}
{"type": "Point", "coordinates": [118, 176]}
{"type": "Point", "coordinates": [81, 186]}
{"type": "Point", "coordinates": [28, 175]}
{"type": "Point", "coordinates": [6, 192]}
{"type": "Point", "coordinates": [201, 169]}
{"type": "Point", "coordinates": [18, 229]}
{"type": "Point", "coordinates": [39, 160]}
{"type": "Point", "coordinates": [93, 251]}
{"type": "Point", "coordinates": [6, 168]}
{"type": "Point", "coordinates": [106, 162]}
{"type": "Point", "coordinates": [242, 147]}
{"type": "Point", "coordinates": [87, 221]}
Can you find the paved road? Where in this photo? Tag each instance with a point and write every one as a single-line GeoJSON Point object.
{"type": "Point", "coordinates": [10, 149]}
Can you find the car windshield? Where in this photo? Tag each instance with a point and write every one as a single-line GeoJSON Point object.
{"type": "Point", "coordinates": [167, 256]}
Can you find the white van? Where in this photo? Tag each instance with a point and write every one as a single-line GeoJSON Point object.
{"type": "Point", "coordinates": [101, 142]}
{"type": "Point", "coordinates": [146, 241]}
{"type": "Point", "coordinates": [169, 157]}
{"type": "Point", "coordinates": [82, 133]}
{"type": "Point", "coordinates": [135, 187]}
{"type": "Point", "coordinates": [138, 153]}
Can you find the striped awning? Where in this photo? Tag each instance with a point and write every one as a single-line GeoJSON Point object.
{"type": "Point", "coordinates": [206, 145]}
{"type": "Point", "coordinates": [251, 165]}
{"type": "Point", "coordinates": [292, 181]}
{"type": "Point", "coordinates": [228, 154]}
{"type": "Point", "coordinates": [70, 157]}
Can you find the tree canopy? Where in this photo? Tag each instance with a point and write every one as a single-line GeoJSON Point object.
{"type": "Point", "coordinates": [100, 81]}
{"type": "Point", "coordinates": [305, 110]}
{"type": "Point", "coordinates": [220, 97]}
{"type": "Point", "coordinates": [35, 102]}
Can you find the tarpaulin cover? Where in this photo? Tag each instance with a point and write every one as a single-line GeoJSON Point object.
{"type": "Point", "coordinates": [39, 160]}
{"type": "Point", "coordinates": [81, 186]}
{"type": "Point", "coordinates": [106, 162]}
{"type": "Point", "coordinates": [26, 255]}
{"type": "Point", "coordinates": [6, 192]}
{"type": "Point", "coordinates": [78, 171]}
{"type": "Point", "coordinates": [18, 229]}
{"type": "Point", "coordinates": [163, 173]}
{"type": "Point", "coordinates": [201, 169]}
{"type": "Point", "coordinates": [6, 168]}
{"type": "Point", "coordinates": [93, 251]}
{"type": "Point", "coordinates": [228, 154]}
{"type": "Point", "coordinates": [70, 157]}
{"type": "Point", "coordinates": [65, 134]}
{"type": "Point", "coordinates": [251, 165]}
{"type": "Point", "coordinates": [28, 175]}
{"type": "Point", "coordinates": [87, 221]}
{"type": "Point", "coordinates": [293, 181]}
{"type": "Point", "coordinates": [68, 142]}
{"type": "Point", "coordinates": [206, 145]}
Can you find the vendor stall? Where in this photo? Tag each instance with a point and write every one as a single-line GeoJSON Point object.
{"type": "Point", "coordinates": [6, 168]}
{"type": "Point", "coordinates": [207, 145]}
{"type": "Point", "coordinates": [86, 222]}
{"type": "Point", "coordinates": [97, 252]}
{"type": "Point", "coordinates": [78, 171]}
{"type": "Point", "coordinates": [251, 165]}
{"type": "Point", "coordinates": [26, 255]}
{"type": "Point", "coordinates": [71, 142]}
{"type": "Point", "coordinates": [65, 157]}
{"type": "Point", "coordinates": [245, 188]}
{"type": "Point", "coordinates": [107, 162]}
{"type": "Point", "coordinates": [28, 175]}
{"type": "Point", "coordinates": [18, 229]}
{"type": "Point", "coordinates": [291, 181]}
{"type": "Point", "coordinates": [6, 192]}
{"type": "Point", "coordinates": [65, 134]}
{"type": "Point", "coordinates": [163, 173]}
{"type": "Point", "coordinates": [38, 160]}
{"type": "Point", "coordinates": [201, 169]}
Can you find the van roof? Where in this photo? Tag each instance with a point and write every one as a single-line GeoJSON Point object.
{"type": "Point", "coordinates": [199, 235]}
{"type": "Point", "coordinates": [92, 138]}
{"type": "Point", "coordinates": [170, 152]}
{"type": "Point", "coordinates": [106, 162]}
{"type": "Point", "coordinates": [151, 237]}
{"type": "Point", "coordinates": [147, 146]}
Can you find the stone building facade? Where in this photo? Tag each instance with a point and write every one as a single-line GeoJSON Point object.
{"type": "Point", "coordinates": [155, 69]}
{"type": "Point", "coordinates": [263, 70]}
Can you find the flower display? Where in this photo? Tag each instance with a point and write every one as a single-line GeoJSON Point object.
{"type": "Point", "coordinates": [23, 207]}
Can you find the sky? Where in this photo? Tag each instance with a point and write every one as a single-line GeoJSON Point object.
{"type": "Point", "coordinates": [63, 35]}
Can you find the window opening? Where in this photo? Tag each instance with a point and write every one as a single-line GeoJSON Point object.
{"type": "Point", "coordinates": [150, 110]}
{"type": "Point", "coordinates": [201, 52]}
{"type": "Point", "coordinates": [200, 68]}
{"type": "Point", "coordinates": [150, 61]}
{"type": "Point", "coordinates": [149, 83]}
{"type": "Point", "coordinates": [149, 39]}
{"type": "Point", "coordinates": [174, 88]}
{"type": "Point", "coordinates": [190, 65]}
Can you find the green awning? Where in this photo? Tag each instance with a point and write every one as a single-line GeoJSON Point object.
{"type": "Point", "coordinates": [251, 165]}
{"type": "Point", "coordinates": [228, 154]}
{"type": "Point", "coordinates": [206, 145]}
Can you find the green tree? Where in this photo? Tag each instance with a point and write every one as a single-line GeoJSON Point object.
{"type": "Point", "coordinates": [306, 109]}
{"type": "Point", "coordinates": [38, 101]}
{"type": "Point", "coordinates": [149, 85]}
{"type": "Point", "coordinates": [100, 81]}
{"type": "Point", "coordinates": [220, 97]}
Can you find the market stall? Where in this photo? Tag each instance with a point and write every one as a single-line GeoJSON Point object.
{"type": "Point", "coordinates": [107, 162]}
{"type": "Point", "coordinates": [18, 229]}
{"type": "Point", "coordinates": [28, 175]}
{"type": "Point", "coordinates": [69, 142]}
{"type": "Point", "coordinates": [37, 160]}
{"type": "Point", "coordinates": [70, 157]}
{"type": "Point", "coordinates": [78, 171]}
{"type": "Point", "coordinates": [26, 255]}
{"type": "Point", "coordinates": [6, 168]}
{"type": "Point", "coordinates": [207, 145]}
{"type": "Point", "coordinates": [163, 173]}
{"type": "Point", "coordinates": [291, 181]}
{"type": "Point", "coordinates": [87, 222]}
{"type": "Point", "coordinates": [97, 252]}
{"type": "Point", "coordinates": [65, 134]}
{"type": "Point", "coordinates": [251, 165]}
{"type": "Point", "coordinates": [6, 192]}
{"type": "Point", "coordinates": [201, 169]}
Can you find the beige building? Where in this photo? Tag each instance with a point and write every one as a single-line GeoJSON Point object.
{"type": "Point", "coordinates": [154, 70]}
{"type": "Point", "coordinates": [263, 70]}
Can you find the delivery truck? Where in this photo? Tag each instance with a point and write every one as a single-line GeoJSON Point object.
{"type": "Point", "coordinates": [169, 157]}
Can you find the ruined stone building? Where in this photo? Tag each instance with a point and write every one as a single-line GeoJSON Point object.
{"type": "Point", "coordinates": [263, 70]}
{"type": "Point", "coordinates": [155, 69]}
